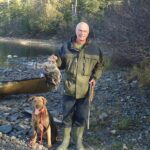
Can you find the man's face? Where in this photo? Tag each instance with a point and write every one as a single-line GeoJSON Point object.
{"type": "Point", "coordinates": [82, 31]}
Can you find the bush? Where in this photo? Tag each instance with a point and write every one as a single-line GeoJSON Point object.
{"type": "Point", "coordinates": [142, 73]}
{"type": "Point", "coordinates": [107, 63]}
{"type": "Point", "coordinates": [125, 56]}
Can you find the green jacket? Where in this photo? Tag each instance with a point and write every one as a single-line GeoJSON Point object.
{"type": "Point", "coordinates": [80, 66]}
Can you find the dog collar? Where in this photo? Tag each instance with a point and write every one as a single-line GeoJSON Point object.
{"type": "Point", "coordinates": [42, 110]}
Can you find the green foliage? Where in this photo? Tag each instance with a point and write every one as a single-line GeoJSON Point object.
{"type": "Point", "coordinates": [127, 123]}
{"type": "Point", "coordinates": [30, 17]}
{"type": "Point", "coordinates": [46, 20]}
{"type": "Point", "coordinates": [107, 63]}
{"type": "Point", "coordinates": [117, 145]}
{"type": "Point", "coordinates": [124, 123]}
{"type": "Point", "coordinates": [40, 16]}
{"type": "Point", "coordinates": [95, 140]}
{"type": "Point", "coordinates": [142, 73]}
{"type": "Point", "coordinates": [89, 6]}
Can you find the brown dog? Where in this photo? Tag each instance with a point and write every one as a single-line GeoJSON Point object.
{"type": "Point", "coordinates": [42, 122]}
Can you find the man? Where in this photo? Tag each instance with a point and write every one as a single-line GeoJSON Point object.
{"type": "Point", "coordinates": [82, 61]}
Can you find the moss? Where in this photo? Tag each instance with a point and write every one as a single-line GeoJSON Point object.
{"type": "Point", "coordinates": [107, 63]}
{"type": "Point", "coordinates": [142, 73]}
{"type": "Point", "coordinates": [94, 140]}
{"type": "Point", "coordinates": [124, 123]}
{"type": "Point", "coordinates": [117, 145]}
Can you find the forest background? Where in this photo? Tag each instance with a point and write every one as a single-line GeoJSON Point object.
{"type": "Point", "coordinates": [121, 25]}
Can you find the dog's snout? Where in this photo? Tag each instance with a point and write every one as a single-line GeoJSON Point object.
{"type": "Point", "coordinates": [37, 106]}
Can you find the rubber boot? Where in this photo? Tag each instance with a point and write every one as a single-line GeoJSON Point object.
{"type": "Point", "coordinates": [79, 134]}
{"type": "Point", "coordinates": [66, 140]}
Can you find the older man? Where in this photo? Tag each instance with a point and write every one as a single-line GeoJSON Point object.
{"type": "Point", "coordinates": [82, 61]}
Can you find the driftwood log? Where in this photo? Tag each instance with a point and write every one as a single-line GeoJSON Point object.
{"type": "Point", "coordinates": [36, 85]}
{"type": "Point", "coordinates": [50, 80]}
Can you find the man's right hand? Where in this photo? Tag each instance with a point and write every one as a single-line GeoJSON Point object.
{"type": "Point", "coordinates": [52, 59]}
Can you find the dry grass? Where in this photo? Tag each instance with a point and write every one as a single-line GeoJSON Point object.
{"type": "Point", "coordinates": [107, 63]}
{"type": "Point", "coordinates": [142, 73]}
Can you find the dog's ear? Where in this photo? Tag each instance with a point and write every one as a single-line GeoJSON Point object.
{"type": "Point", "coordinates": [31, 98]}
{"type": "Point", "coordinates": [44, 100]}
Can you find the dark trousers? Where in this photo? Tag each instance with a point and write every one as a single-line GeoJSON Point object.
{"type": "Point", "coordinates": [75, 111]}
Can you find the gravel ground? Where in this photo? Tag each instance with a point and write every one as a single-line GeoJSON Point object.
{"type": "Point", "coordinates": [120, 113]}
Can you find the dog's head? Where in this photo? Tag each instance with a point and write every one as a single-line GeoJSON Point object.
{"type": "Point", "coordinates": [38, 103]}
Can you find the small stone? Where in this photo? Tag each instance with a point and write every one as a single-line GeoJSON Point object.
{"type": "Point", "coordinates": [25, 105]}
{"type": "Point", "coordinates": [122, 99]}
{"type": "Point", "coordinates": [128, 97]}
{"type": "Point", "coordinates": [108, 79]}
{"type": "Point", "coordinates": [9, 56]}
{"type": "Point", "coordinates": [6, 128]}
{"type": "Point", "coordinates": [28, 110]}
{"type": "Point", "coordinates": [125, 147]}
{"type": "Point", "coordinates": [6, 114]}
{"type": "Point", "coordinates": [113, 131]}
{"type": "Point", "coordinates": [40, 147]}
{"type": "Point", "coordinates": [1, 134]}
{"type": "Point", "coordinates": [15, 56]}
{"type": "Point", "coordinates": [54, 112]}
{"type": "Point", "coordinates": [134, 84]}
{"type": "Point", "coordinates": [120, 80]}
{"type": "Point", "coordinates": [13, 117]}
{"type": "Point", "coordinates": [27, 121]}
{"type": "Point", "coordinates": [103, 115]}
{"type": "Point", "coordinates": [13, 138]}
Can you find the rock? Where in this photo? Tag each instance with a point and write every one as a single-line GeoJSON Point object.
{"type": "Point", "coordinates": [6, 128]}
{"type": "Point", "coordinates": [28, 110]}
{"type": "Point", "coordinates": [6, 114]}
{"type": "Point", "coordinates": [120, 80]}
{"type": "Point", "coordinates": [113, 132]}
{"type": "Point", "coordinates": [122, 99]}
{"type": "Point", "coordinates": [15, 56]}
{"type": "Point", "coordinates": [134, 84]}
{"type": "Point", "coordinates": [26, 121]}
{"type": "Point", "coordinates": [13, 138]}
{"type": "Point", "coordinates": [54, 113]}
{"type": "Point", "coordinates": [57, 120]}
{"type": "Point", "coordinates": [124, 147]}
{"type": "Point", "coordinates": [128, 97]}
{"type": "Point", "coordinates": [103, 116]}
{"type": "Point", "coordinates": [114, 99]}
{"type": "Point", "coordinates": [1, 135]}
{"type": "Point", "coordinates": [108, 79]}
{"type": "Point", "coordinates": [13, 117]}
{"type": "Point", "coordinates": [9, 56]}
{"type": "Point", "coordinates": [26, 105]}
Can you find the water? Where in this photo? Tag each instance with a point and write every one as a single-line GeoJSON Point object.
{"type": "Point", "coordinates": [20, 61]}
{"type": "Point", "coordinates": [9, 51]}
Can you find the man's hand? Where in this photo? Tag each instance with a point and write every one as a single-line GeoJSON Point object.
{"type": "Point", "coordinates": [52, 59]}
{"type": "Point", "coordinates": [92, 83]}
{"type": "Point", "coordinates": [91, 92]}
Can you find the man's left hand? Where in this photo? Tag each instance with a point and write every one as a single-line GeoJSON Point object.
{"type": "Point", "coordinates": [93, 83]}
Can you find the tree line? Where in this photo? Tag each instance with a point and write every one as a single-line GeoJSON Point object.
{"type": "Point", "coordinates": [47, 17]}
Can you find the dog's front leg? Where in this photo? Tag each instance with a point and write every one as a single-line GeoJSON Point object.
{"type": "Point", "coordinates": [49, 142]}
{"type": "Point", "coordinates": [34, 138]}
{"type": "Point", "coordinates": [41, 133]}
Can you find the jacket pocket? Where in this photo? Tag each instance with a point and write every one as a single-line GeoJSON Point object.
{"type": "Point", "coordinates": [69, 88]}
{"type": "Point", "coordinates": [71, 64]}
{"type": "Point", "coordinates": [88, 65]}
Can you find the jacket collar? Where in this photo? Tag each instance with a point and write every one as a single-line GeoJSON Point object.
{"type": "Point", "coordinates": [71, 45]}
